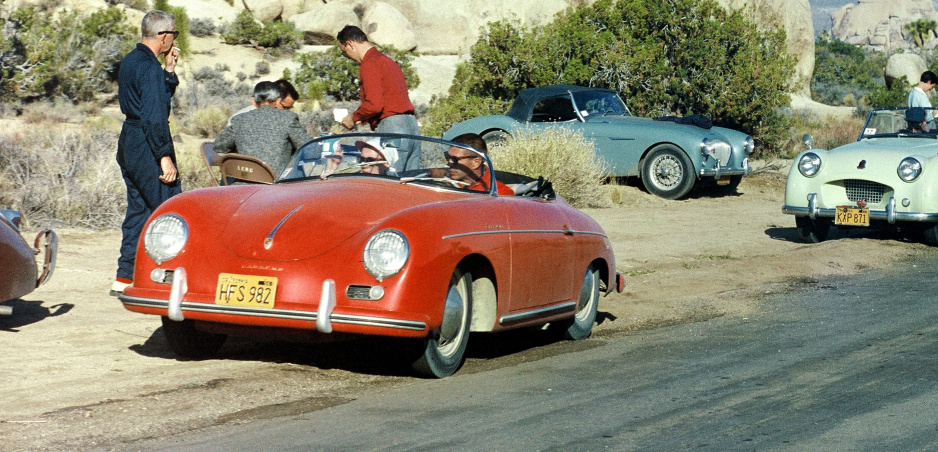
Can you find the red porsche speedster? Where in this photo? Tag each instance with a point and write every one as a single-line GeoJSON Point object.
{"type": "Point", "coordinates": [330, 249]}
{"type": "Point", "coordinates": [19, 274]}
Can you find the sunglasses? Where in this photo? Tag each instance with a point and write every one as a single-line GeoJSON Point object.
{"type": "Point", "coordinates": [372, 159]}
{"type": "Point", "coordinates": [455, 159]}
{"type": "Point", "coordinates": [174, 33]}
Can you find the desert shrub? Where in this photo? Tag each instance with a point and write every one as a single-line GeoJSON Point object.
{"type": "Point", "coordinates": [884, 96]}
{"type": "Point", "coordinates": [844, 71]}
{"type": "Point", "coordinates": [674, 57]}
{"type": "Point", "coordinates": [139, 5]}
{"type": "Point", "coordinates": [181, 19]}
{"type": "Point", "coordinates": [563, 157]}
{"type": "Point", "coordinates": [202, 27]}
{"type": "Point", "coordinates": [336, 76]}
{"type": "Point", "coordinates": [70, 55]}
{"type": "Point", "coordinates": [828, 133]}
{"type": "Point", "coordinates": [262, 68]}
{"type": "Point", "coordinates": [209, 121]}
{"type": "Point", "coordinates": [62, 179]}
{"type": "Point", "coordinates": [271, 34]}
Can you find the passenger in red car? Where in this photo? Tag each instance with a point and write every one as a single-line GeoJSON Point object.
{"type": "Point", "coordinates": [467, 166]}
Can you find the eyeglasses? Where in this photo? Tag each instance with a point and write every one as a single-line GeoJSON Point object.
{"type": "Point", "coordinates": [372, 159]}
{"type": "Point", "coordinates": [455, 158]}
{"type": "Point", "coordinates": [174, 33]}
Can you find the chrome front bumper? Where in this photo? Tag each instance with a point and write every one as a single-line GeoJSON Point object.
{"type": "Point", "coordinates": [720, 171]}
{"type": "Point", "coordinates": [324, 316]}
{"type": "Point", "coordinates": [890, 215]}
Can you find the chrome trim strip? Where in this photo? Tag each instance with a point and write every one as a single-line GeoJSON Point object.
{"type": "Point", "coordinates": [269, 241]}
{"type": "Point", "coordinates": [542, 312]}
{"type": "Point", "coordinates": [382, 322]}
{"type": "Point", "coordinates": [525, 231]}
{"type": "Point", "coordinates": [723, 171]}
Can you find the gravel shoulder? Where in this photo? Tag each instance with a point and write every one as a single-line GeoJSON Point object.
{"type": "Point", "coordinates": [80, 372]}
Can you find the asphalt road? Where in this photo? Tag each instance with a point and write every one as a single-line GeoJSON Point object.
{"type": "Point", "coordinates": [841, 364]}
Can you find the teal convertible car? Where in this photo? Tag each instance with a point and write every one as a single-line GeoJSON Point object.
{"type": "Point", "coordinates": [669, 154]}
{"type": "Point", "coordinates": [887, 178]}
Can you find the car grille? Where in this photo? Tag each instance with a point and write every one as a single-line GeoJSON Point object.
{"type": "Point", "coordinates": [864, 190]}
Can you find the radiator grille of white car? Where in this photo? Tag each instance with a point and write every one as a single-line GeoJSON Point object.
{"type": "Point", "coordinates": [864, 190]}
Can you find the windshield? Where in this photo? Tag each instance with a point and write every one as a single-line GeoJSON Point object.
{"type": "Point", "coordinates": [895, 122]}
{"type": "Point", "coordinates": [600, 103]}
{"type": "Point", "coordinates": [404, 158]}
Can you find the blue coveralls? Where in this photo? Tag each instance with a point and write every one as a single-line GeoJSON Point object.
{"type": "Point", "coordinates": [145, 93]}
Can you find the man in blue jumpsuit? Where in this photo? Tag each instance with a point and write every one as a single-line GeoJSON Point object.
{"type": "Point", "coordinates": [145, 147]}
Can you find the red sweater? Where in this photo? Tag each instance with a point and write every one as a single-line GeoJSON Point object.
{"type": "Point", "coordinates": [383, 89]}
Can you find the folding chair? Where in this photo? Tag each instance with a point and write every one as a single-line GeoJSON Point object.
{"type": "Point", "coordinates": [244, 168]}
{"type": "Point", "coordinates": [211, 159]}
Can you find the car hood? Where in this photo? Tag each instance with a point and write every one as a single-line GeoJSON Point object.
{"type": "Point", "coordinates": [299, 221]}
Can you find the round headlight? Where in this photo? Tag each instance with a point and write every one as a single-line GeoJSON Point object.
{"type": "Point", "coordinates": [165, 237]}
{"type": "Point", "coordinates": [809, 164]}
{"type": "Point", "coordinates": [386, 253]}
{"type": "Point", "coordinates": [749, 144]}
{"type": "Point", "coordinates": [909, 169]}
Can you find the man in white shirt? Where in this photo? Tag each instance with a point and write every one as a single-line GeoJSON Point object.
{"type": "Point", "coordinates": [918, 97]}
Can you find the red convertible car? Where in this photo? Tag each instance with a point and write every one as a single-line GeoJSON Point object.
{"type": "Point", "coordinates": [18, 267]}
{"type": "Point", "coordinates": [335, 247]}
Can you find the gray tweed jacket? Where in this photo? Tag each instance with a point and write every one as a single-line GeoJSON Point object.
{"type": "Point", "coordinates": [267, 133]}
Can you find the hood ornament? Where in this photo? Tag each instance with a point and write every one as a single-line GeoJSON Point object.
{"type": "Point", "coordinates": [269, 241]}
{"type": "Point", "coordinates": [862, 164]}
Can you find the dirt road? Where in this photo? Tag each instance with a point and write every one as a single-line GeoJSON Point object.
{"type": "Point", "coordinates": [80, 372]}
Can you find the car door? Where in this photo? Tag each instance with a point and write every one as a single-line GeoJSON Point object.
{"type": "Point", "coordinates": [542, 265]}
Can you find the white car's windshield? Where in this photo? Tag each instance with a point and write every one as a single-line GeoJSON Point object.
{"type": "Point", "coordinates": [895, 122]}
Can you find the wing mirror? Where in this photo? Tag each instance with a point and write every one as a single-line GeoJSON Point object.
{"type": "Point", "coordinates": [807, 140]}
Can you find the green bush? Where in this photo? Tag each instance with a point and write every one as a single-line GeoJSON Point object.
{"type": "Point", "coordinates": [844, 73]}
{"type": "Point", "coordinates": [676, 57]}
{"type": "Point", "coordinates": [336, 76]}
{"type": "Point", "coordinates": [563, 157]}
{"type": "Point", "coordinates": [897, 96]}
{"type": "Point", "coordinates": [67, 55]}
{"type": "Point", "coordinates": [271, 34]}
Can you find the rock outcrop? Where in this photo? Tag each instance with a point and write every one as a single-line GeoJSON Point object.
{"type": "Point", "coordinates": [909, 65]}
{"type": "Point", "coordinates": [880, 24]}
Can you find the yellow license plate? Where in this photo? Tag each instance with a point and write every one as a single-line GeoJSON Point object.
{"type": "Point", "coordinates": [852, 216]}
{"type": "Point", "coordinates": [246, 290]}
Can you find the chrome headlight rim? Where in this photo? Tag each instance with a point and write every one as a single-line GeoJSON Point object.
{"type": "Point", "coordinates": [165, 237]}
{"type": "Point", "coordinates": [809, 164]}
{"type": "Point", "coordinates": [749, 145]}
{"type": "Point", "coordinates": [385, 253]}
{"type": "Point", "coordinates": [909, 169]}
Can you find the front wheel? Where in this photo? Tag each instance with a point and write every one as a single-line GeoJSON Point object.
{"type": "Point", "coordinates": [188, 342]}
{"type": "Point", "coordinates": [668, 172]}
{"type": "Point", "coordinates": [444, 349]}
{"type": "Point", "coordinates": [812, 231]}
{"type": "Point", "coordinates": [580, 326]}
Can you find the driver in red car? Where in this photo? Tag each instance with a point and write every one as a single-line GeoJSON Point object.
{"type": "Point", "coordinates": [469, 167]}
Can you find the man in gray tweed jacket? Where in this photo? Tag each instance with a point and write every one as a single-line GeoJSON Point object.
{"type": "Point", "coordinates": [267, 133]}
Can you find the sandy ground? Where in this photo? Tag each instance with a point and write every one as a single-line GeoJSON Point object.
{"type": "Point", "coordinates": [80, 372]}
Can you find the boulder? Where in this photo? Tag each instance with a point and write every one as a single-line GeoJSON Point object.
{"type": "Point", "coordinates": [880, 24]}
{"type": "Point", "coordinates": [909, 65]}
{"type": "Point", "coordinates": [320, 25]}
{"type": "Point", "coordinates": [217, 12]}
{"type": "Point", "coordinates": [386, 25]}
{"type": "Point", "coordinates": [264, 10]}
{"type": "Point", "coordinates": [795, 17]}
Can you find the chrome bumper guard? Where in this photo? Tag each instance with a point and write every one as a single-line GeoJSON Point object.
{"type": "Point", "coordinates": [890, 215]}
{"type": "Point", "coordinates": [720, 171]}
{"type": "Point", "coordinates": [324, 316]}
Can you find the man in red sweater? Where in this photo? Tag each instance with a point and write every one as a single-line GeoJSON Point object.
{"type": "Point", "coordinates": [385, 105]}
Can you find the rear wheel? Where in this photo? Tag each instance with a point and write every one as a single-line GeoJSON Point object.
{"type": "Point", "coordinates": [580, 326]}
{"type": "Point", "coordinates": [188, 342]}
{"type": "Point", "coordinates": [812, 231]}
{"type": "Point", "coordinates": [495, 137]}
{"type": "Point", "coordinates": [443, 351]}
{"type": "Point", "coordinates": [668, 172]}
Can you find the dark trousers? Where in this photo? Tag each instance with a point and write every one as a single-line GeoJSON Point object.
{"type": "Point", "coordinates": [145, 193]}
